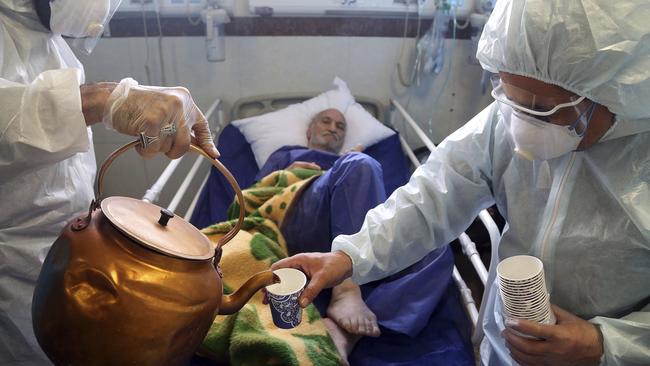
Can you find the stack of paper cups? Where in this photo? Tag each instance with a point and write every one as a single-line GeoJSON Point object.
{"type": "Point", "coordinates": [523, 289]}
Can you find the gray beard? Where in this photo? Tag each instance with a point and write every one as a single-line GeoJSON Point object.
{"type": "Point", "coordinates": [319, 143]}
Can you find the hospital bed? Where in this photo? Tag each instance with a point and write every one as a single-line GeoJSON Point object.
{"type": "Point", "coordinates": [238, 157]}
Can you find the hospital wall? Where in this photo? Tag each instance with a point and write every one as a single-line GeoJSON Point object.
{"type": "Point", "coordinates": [265, 65]}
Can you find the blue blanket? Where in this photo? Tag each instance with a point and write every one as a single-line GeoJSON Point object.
{"type": "Point", "coordinates": [335, 203]}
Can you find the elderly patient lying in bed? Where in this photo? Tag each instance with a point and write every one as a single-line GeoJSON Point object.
{"type": "Point", "coordinates": [421, 329]}
{"type": "Point", "coordinates": [351, 185]}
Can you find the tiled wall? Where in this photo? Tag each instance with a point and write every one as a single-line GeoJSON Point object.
{"type": "Point", "coordinates": [264, 65]}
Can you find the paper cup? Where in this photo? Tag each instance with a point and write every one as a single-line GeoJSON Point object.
{"type": "Point", "coordinates": [522, 284]}
{"type": "Point", "coordinates": [520, 268]}
{"type": "Point", "coordinates": [533, 314]}
{"type": "Point", "coordinates": [530, 300]}
{"type": "Point", "coordinates": [283, 297]}
{"type": "Point", "coordinates": [523, 294]}
{"type": "Point", "coordinates": [533, 303]}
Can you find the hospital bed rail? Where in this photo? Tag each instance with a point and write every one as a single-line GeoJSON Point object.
{"type": "Point", "coordinates": [467, 245]}
{"type": "Point", "coordinates": [152, 194]}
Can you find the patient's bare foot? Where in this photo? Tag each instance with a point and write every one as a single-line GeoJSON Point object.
{"type": "Point", "coordinates": [343, 340]}
{"type": "Point", "coordinates": [350, 312]}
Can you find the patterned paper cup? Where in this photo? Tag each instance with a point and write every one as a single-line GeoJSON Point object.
{"type": "Point", "coordinates": [283, 297]}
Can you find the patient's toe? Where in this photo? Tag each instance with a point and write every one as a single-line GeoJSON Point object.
{"type": "Point", "coordinates": [350, 312]}
{"type": "Point", "coordinates": [372, 329]}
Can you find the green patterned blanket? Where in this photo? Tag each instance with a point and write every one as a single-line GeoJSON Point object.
{"type": "Point", "coordinates": [250, 337]}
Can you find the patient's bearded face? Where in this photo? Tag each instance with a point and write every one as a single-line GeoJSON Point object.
{"type": "Point", "coordinates": [327, 131]}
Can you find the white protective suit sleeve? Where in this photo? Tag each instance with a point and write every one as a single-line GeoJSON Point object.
{"type": "Point", "coordinates": [439, 202]}
{"type": "Point", "coordinates": [41, 123]}
{"type": "Point", "coordinates": [626, 341]}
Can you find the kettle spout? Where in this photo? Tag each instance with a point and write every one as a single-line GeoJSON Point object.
{"type": "Point", "coordinates": [231, 304]}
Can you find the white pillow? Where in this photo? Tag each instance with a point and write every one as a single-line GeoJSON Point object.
{"type": "Point", "coordinates": [268, 132]}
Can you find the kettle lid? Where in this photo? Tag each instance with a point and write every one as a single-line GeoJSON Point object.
{"type": "Point", "coordinates": [156, 228]}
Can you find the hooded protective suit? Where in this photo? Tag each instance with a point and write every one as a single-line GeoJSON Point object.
{"type": "Point", "coordinates": [585, 214]}
{"type": "Point", "coordinates": [47, 164]}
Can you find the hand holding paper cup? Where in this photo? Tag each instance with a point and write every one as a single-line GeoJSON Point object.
{"type": "Point", "coordinates": [283, 297]}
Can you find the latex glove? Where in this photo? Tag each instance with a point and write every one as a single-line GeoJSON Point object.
{"type": "Point", "coordinates": [572, 341]}
{"type": "Point", "coordinates": [132, 109]}
{"type": "Point", "coordinates": [324, 270]}
{"type": "Point", "coordinates": [303, 165]}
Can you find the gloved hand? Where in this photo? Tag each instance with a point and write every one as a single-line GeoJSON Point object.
{"type": "Point", "coordinates": [167, 116]}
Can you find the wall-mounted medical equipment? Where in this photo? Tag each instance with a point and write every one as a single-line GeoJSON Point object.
{"type": "Point", "coordinates": [477, 21]}
{"type": "Point", "coordinates": [164, 7]}
{"type": "Point", "coordinates": [175, 8]}
{"type": "Point", "coordinates": [213, 13]}
{"type": "Point", "coordinates": [215, 43]}
{"type": "Point", "coordinates": [340, 7]}
{"type": "Point", "coordinates": [430, 49]}
{"type": "Point", "coordinates": [383, 8]}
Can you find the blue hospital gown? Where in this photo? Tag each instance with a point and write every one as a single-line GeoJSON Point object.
{"type": "Point", "coordinates": [335, 203]}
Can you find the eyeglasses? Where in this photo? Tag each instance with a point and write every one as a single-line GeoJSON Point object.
{"type": "Point", "coordinates": [500, 96]}
{"type": "Point", "coordinates": [544, 108]}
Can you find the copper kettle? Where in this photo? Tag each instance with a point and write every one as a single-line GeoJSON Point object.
{"type": "Point", "coordinates": [130, 284]}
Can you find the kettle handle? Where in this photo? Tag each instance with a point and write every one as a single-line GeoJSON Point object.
{"type": "Point", "coordinates": [217, 164]}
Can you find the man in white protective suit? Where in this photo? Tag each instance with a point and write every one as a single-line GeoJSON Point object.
{"type": "Point", "coordinates": [47, 162]}
{"type": "Point", "coordinates": [564, 152]}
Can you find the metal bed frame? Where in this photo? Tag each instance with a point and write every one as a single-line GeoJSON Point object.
{"type": "Point", "coordinates": [257, 105]}
{"type": "Point", "coordinates": [468, 246]}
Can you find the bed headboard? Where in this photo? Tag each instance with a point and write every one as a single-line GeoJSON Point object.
{"type": "Point", "coordinates": [256, 105]}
